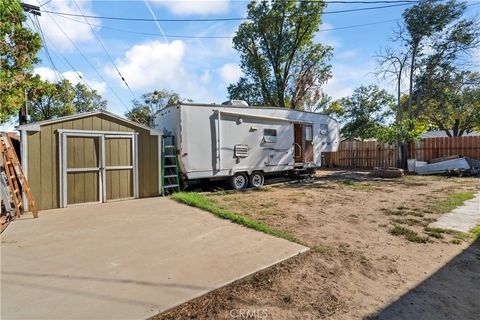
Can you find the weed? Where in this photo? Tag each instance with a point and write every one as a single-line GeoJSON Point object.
{"type": "Point", "coordinates": [476, 232]}
{"type": "Point", "coordinates": [410, 235]}
{"type": "Point", "coordinates": [321, 248]}
{"type": "Point", "coordinates": [451, 202]}
{"type": "Point", "coordinates": [402, 207]}
{"type": "Point", "coordinates": [364, 260]}
{"type": "Point", "coordinates": [354, 184]}
{"type": "Point", "coordinates": [344, 248]}
{"type": "Point", "coordinates": [416, 214]}
{"type": "Point", "coordinates": [200, 201]}
{"type": "Point", "coordinates": [407, 221]}
{"type": "Point", "coordinates": [456, 241]}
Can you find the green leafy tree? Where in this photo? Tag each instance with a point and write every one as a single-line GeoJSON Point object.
{"type": "Point", "coordinates": [18, 49]}
{"type": "Point", "coordinates": [452, 102]}
{"type": "Point", "coordinates": [53, 100]}
{"type": "Point", "coordinates": [144, 111]}
{"type": "Point", "coordinates": [283, 66]}
{"type": "Point", "coordinates": [86, 100]}
{"type": "Point", "coordinates": [362, 113]}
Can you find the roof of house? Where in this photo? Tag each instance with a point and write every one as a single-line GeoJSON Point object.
{"type": "Point", "coordinates": [35, 126]}
{"type": "Point", "coordinates": [442, 133]}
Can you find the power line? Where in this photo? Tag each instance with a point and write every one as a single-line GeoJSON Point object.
{"type": "Point", "coordinates": [211, 19]}
{"type": "Point", "coordinates": [80, 77]}
{"type": "Point", "coordinates": [36, 26]}
{"type": "Point", "coordinates": [105, 49]}
{"type": "Point", "coordinates": [222, 37]}
{"type": "Point", "coordinates": [85, 58]}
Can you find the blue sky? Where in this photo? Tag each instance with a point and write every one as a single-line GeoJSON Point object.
{"type": "Point", "coordinates": [199, 69]}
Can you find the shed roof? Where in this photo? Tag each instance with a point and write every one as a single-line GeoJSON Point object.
{"type": "Point", "coordinates": [35, 126]}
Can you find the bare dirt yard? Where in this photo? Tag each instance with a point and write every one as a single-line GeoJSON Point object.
{"type": "Point", "coordinates": [372, 254]}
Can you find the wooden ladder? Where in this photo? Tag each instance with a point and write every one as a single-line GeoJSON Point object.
{"type": "Point", "coordinates": [15, 177]}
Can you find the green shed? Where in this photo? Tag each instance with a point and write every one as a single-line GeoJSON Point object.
{"type": "Point", "coordinates": [90, 158]}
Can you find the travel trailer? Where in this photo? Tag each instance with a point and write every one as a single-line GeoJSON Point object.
{"type": "Point", "coordinates": [243, 144]}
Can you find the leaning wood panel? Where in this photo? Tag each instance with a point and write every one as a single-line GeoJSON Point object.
{"type": "Point", "coordinates": [47, 167]}
{"type": "Point", "coordinates": [34, 171]}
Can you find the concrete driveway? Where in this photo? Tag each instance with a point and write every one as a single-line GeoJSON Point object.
{"type": "Point", "coordinates": [125, 260]}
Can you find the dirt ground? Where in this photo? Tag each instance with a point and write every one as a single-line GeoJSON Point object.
{"type": "Point", "coordinates": [357, 268]}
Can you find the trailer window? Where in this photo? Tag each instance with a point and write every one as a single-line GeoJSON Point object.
{"type": "Point", "coordinates": [269, 135]}
{"type": "Point", "coordinates": [308, 134]}
{"type": "Point", "coordinates": [270, 132]}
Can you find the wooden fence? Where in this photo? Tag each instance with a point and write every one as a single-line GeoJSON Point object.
{"type": "Point", "coordinates": [368, 154]}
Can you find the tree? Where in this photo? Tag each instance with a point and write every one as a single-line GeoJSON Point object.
{"type": "Point", "coordinates": [86, 100]}
{"type": "Point", "coordinates": [53, 100]}
{"type": "Point", "coordinates": [452, 102]}
{"type": "Point", "coordinates": [144, 111]}
{"type": "Point", "coordinates": [283, 66]}
{"type": "Point", "coordinates": [362, 113]}
{"type": "Point", "coordinates": [18, 49]}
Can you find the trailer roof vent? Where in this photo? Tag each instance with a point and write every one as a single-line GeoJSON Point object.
{"type": "Point", "coordinates": [235, 103]}
{"type": "Point", "coordinates": [241, 150]}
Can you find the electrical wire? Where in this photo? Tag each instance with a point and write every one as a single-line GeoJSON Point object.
{"type": "Point", "coordinates": [88, 61]}
{"type": "Point", "coordinates": [106, 51]}
{"type": "Point", "coordinates": [37, 28]}
{"type": "Point", "coordinates": [209, 19]}
{"type": "Point", "coordinates": [220, 37]}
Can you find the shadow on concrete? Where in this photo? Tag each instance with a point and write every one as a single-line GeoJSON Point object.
{"type": "Point", "coordinates": [88, 278]}
{"type": "Point", "coordinates": [453, 292]}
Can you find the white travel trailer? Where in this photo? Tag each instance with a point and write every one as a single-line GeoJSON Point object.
{"type": "Point", "coordinates": [240, 143]}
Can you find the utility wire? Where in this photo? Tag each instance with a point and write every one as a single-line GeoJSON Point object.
{"type": "Point", "coordinates": [105, 49]}
{"type": "Point", "coordinates": [210, 19]}
{"type": "Point", "coordinates": [37, 28]}
{"type": "Point", "coordinates": [79, 75]}
{"type": "Point", "coordinates": [88, 61]}
{"type": "Point", "coordinates": [223, 37]}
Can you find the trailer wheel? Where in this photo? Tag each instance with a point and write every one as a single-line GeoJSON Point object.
{"type": "Point", "coordinates": [256, 180]}
{"type": "Point", "coordinates": [239, 181]}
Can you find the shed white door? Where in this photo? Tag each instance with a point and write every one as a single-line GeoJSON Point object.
{"type": "Point", "coordinates": [97, 166]}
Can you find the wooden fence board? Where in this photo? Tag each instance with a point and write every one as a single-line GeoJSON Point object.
{"type": "Point", "coordinates": [368, 154]}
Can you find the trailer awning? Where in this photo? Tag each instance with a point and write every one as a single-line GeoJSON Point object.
{"type": "Point", "coordinates": [256, 116]}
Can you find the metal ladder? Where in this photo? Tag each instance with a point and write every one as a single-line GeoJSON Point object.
{"type": "Point", "coordinates": [170, 177]}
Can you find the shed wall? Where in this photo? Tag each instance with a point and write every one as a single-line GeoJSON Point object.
{"type": "Point", "coordinates": [43, 153]}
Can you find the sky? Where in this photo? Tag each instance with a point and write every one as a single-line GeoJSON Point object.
{"type": "Point", "coordinates": [149, 56]}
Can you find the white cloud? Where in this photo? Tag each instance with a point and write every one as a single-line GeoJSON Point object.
{"type": "Point", "coordinates": [325, 37]}
{"type": "Point", "coordinates": [79, 33]}
{"type": "Point", "coordinates": [230, 73]}
{"type": "Point", "coordinates": [182, 7]}
{"type": "Point", "coordinates": [346, 54]}
{"type": "Point", "coordinates": [152, 63]}
{"type": "Point", "coordinates": [347, 78]}
{"type": "Point", "coordinates": [158, 65]}
{"type": "Point", "coordinates": [51, 76]}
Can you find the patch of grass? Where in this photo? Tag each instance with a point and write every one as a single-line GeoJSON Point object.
{"type": "Point", "coordinates": [456, 241]}
{"type": "Point", "coordinates": [392, 212]}
{"type": "Point", "coordinates": [321, 248]}
{"type": "Point", "coordinates": [407, 221]}
{"type": "Point", "coordinates": [476, 232]}
{"type": "Point", "coordinates": [354, 184]}
{"type": "Point", "coordinates": [200, 201]}
{"type": "Point", "coordinates": [410, 235]}
{"type": "Point", "coordinates": [364, 260]}
{"type": "Point", "coordinates": [344, 248]}
{"type": "Point", "coordinates": [451, 202]}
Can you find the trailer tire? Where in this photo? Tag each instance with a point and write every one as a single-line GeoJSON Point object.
{"type": "Point", "coordinates": [239, 181]}
{"type": "Point", "coordinates": [256, 179]}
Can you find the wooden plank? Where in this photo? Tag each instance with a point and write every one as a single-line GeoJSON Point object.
{"type": "Point", "coordinates": [56, 165]}
{"type": "Point", "coordinates": [153, 163]}
{"type": "Point", "coordinates": [34, 166]}
{"type": "Point", "coordinates": [47, 168]}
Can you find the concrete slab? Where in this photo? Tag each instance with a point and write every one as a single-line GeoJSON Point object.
{"type": "Point", "coordinates": [125, 260]}
{"type": "Point", "coordinates": [462, 219]}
